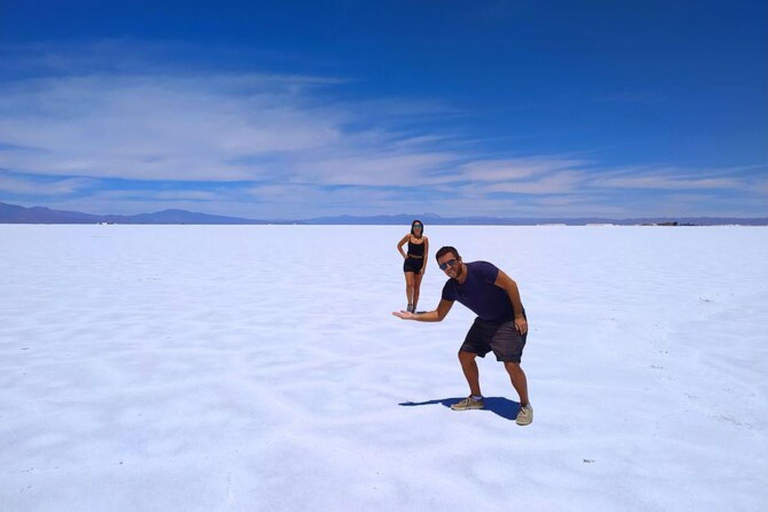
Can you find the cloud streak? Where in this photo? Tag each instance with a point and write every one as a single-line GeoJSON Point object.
{"type": "Point", "coordinates": [57, 187]}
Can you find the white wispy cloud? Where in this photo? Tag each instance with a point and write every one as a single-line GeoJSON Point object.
{"type": "Point", "coordinates": [25, 185]}
{"type": "Point", "coordinates": [515, 169]}
{"type": "Point", "coordinates": [153, 127]}
{"type": "Point", "coordinates": [670, 183]}
{"type": "Point", "coordinates": [559, 182]}
{"type": "Point", "coordinates": [221, 128]}
{"type": "Point", "coordinates": [680, 178]}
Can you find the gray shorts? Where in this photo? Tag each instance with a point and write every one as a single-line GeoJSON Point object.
{"type": "Point", "coordinates": [501, 337]}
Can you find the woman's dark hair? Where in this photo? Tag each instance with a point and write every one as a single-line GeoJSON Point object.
{"type": "Point", "coordinates": [417, 221]}
{"type": "Point", "coordinates": [445, 250]}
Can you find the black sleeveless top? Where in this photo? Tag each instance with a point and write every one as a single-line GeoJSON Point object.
{"type": "Point", "coordinates": [415, 249]}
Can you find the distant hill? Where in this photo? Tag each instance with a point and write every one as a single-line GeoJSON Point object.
{"type": "Point", "coordinates": [433, 219]}
{"type": "Point", "coordinates": [13, 214]}
{"type": "Point", "coordinates": [181, 217]}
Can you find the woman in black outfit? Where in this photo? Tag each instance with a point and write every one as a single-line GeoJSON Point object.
{"type": "Point", "coordinates": [415, 262]}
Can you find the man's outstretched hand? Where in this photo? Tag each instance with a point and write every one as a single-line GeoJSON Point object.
{"type": "Point", "coordinates": [405, 315]}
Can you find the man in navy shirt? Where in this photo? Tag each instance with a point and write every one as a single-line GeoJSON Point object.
{"type": "Point", "coordinates": [500, 326]}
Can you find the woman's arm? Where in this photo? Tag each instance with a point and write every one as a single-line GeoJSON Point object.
{"type": "Point", "coordinates": [400, 246]}
{"type": "Point", "coordinates": [426, 255]}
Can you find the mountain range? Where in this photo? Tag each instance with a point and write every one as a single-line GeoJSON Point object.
{"type": "Point", "coordinates": [14, 214]}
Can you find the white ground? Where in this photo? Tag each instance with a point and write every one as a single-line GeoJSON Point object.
{"type": "Point", "coordinates": [158, 368]}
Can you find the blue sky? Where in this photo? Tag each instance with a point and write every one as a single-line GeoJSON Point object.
{"type": "Point", "coordinates": [288, 110]}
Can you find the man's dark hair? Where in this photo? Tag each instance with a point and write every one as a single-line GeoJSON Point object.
{"type": "Point", "coordinates": [445, 250]}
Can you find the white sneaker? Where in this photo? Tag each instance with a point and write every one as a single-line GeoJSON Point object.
{"type": "Point", "coordinates": [468, 403]}
{"type": "Point", "coordinates": [525, 416]}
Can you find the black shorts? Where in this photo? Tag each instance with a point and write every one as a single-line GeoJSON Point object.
{"type": "Point", "coordinates": [501, 337]}
{"type": "Point", "coordinates": [413, 264]}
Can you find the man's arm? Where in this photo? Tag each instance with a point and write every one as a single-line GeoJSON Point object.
{"type": "Point", "coordinates": [432, 316]}
{"type": "Point", "coordinates": [510, 286]}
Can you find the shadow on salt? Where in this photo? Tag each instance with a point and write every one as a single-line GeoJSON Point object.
{"type": "Point", "coordinates": [499, 405]}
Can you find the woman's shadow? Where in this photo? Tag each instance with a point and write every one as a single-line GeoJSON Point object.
{"type": "Point", "coordinates": [499, 405]}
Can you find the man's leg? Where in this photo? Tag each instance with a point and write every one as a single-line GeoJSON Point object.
{"type": "Point", "coordinates": [519, 382]}
{"type": "Point", "coordinates": [471, 373]}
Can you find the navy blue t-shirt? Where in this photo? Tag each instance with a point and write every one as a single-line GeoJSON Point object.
{"type": "Point", "coordinates": [479, 294]}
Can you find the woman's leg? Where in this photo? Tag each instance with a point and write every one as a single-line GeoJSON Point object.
{"type": "Point", "coordinates": [409, 287]}
{"type": "Point", "coordinates": [416, 288]}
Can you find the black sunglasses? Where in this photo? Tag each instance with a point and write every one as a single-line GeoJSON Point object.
{"type": "Point", "coordinates": [449, 263]}
{"type": "Point", "coordinates": [418, 226]}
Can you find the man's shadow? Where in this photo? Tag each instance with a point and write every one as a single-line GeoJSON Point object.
{"type": "Point", "coordinates": [499, 405]}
